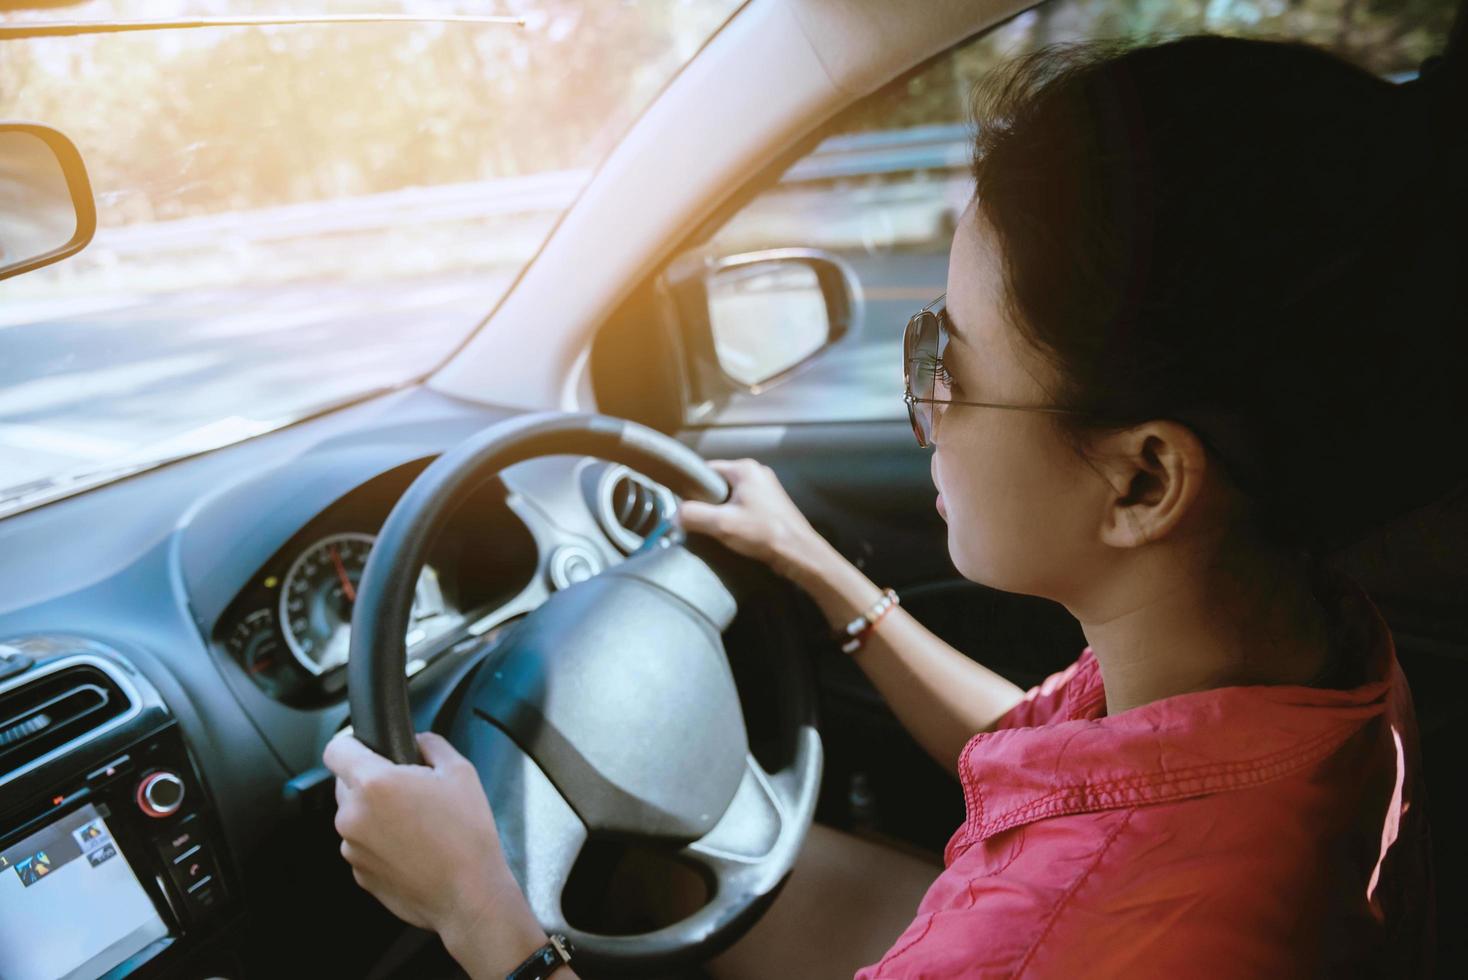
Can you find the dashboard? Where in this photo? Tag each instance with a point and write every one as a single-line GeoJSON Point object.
{"type": "Point", "coordinates": [222, 587]}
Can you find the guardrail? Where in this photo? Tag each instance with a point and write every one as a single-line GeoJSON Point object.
{"type": "Point", "coordinates": [931, 148]}
{"type": "Point", "coordinates": [841, 158]}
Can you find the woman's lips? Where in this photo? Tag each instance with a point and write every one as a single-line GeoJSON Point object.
{"type": "Point", "coordinates": [942, 511]}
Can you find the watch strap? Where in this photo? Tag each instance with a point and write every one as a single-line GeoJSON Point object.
{"type": "Point", "coordinates": [545, 961]}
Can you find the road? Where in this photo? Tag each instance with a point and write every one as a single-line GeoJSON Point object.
{"type": "Point", "coordinates": [128, 374]}
{"type": "Point", "coordinates": [101, 378]}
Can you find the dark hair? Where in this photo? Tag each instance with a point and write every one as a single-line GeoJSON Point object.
{"type": "Point", "coordinates": [1256, 239]}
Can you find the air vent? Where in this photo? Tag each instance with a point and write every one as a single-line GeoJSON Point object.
{"type": "Point", "coordinates": [54, 710]}
{"type": "Point", "coordinates": [631, 506]}
{"type": "Point", "coordinates": [636, 506]}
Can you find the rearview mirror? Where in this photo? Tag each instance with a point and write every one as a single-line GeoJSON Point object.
{"type": "Point", "coordinates": [46, 207]}
{"type": "Point", "coordinates": [769, 312]}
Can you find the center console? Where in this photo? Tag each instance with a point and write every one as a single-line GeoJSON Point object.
{"type": "Point", "coordinates": [111, 861]}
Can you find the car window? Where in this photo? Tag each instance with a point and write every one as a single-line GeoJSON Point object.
{"type": "Point", "coordinates": [885, 186]}
{"type": "Point", "coordinates": [292, 216]}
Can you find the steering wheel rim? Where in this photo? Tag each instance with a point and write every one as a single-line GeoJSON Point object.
{"type": "Point", "coordinates": [713, 804]}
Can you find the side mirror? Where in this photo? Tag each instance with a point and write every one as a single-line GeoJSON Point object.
{"type": "Point", "coordinates": [46, 207]}
{"type": "Point", "coordinates": [770, 312]}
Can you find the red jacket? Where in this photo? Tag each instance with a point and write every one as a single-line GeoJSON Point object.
{"type": "Point", "coordinates": [1237, 832]}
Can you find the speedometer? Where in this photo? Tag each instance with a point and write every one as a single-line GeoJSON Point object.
{"type": "Point", "coordinates": [320, 590]}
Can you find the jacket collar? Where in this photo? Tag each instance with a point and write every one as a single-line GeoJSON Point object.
{"type": "Point", "coordinates": [1173, 749]}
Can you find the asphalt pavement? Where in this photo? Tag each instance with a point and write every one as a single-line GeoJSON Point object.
{"type": "Point", "coordinates": [91, 380]}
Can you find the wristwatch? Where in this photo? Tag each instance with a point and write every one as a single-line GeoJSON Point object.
{"type": "Point", "coordinates": [545, 961]}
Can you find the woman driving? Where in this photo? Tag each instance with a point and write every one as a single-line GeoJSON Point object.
{"type": "Point", "coordinates": [1167, 378]}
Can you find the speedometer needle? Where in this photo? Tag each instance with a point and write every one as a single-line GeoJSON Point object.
{"type": "Point", "coordinates": [341, 573]}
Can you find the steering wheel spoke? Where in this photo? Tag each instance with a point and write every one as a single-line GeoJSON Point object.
{"type": "Point", "coordinates": [749, 829]}
{"type": "Point", "coordinates": [540, 834]}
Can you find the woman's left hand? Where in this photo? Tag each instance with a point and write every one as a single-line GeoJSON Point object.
{"type": "Point", "coordinates": [422, 839]}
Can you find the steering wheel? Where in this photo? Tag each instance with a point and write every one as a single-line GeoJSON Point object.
{"type": "Point", "coordinates": [610, 713]}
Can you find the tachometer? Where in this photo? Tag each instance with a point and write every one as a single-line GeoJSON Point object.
{"type": "Point", "coordinates": [318, 594]}
{"type": "Point", "coordinates": [256, 644]}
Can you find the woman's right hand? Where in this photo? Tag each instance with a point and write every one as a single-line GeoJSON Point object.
{"type": "Point", "coordinates": [759, 520]}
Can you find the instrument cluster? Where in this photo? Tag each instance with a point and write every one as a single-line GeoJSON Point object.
{"type": "Point", "coordinates": [289, 630]}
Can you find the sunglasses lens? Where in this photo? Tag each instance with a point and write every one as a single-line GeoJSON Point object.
{"type": "Point", "coordinates": [920, 360]}
{"type": "Point", "coordinates": [921, 414]}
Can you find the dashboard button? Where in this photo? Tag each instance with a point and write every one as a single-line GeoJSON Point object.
{"type": "Point", "coordinates": [160, 794]}
{"type": "Point", "coordinates": [182, 839]}
{"type": "Point", "coordinates": [192, 871]}
{"type": "Point", "coordinates": [202, 899]}
{"type": "Point", "coordinates": [113, 769]}
{"type": "Point", "coordinates": [571, 563]}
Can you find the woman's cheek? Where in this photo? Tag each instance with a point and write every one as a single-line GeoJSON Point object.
{"type": "Point", "coordinates": [975, 543]}
{"type": "Point", "coordinates": [997, 518]}
{"type": "Point", "coordinates": [978, 541]}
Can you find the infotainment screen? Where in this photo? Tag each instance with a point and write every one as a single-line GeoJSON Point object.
{"type": "Point", "coordinates": [70, 905]}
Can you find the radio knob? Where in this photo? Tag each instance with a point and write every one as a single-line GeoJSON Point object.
{"type": "Point", "coordinates": [160, 794]}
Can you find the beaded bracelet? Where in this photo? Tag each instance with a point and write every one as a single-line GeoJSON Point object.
{"type": "Point", "coordinates": [854, 634]}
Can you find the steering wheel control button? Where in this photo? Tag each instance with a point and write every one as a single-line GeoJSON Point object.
{"type": "Point", "coordinates": [160, 794]}
{"type": "Point", "coordinates": [572, 563]}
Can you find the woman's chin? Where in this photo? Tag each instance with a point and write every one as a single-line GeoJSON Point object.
{"type": "Point", "coordinates": [971, 566]}
{"type": "Point", "coordinates": [956, 555]}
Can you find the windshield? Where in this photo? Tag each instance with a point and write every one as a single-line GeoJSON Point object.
{"type": "Point", "coordinates": [291, 217]}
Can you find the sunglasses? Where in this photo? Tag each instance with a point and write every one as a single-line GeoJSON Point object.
{"type": "Point", "coordinates": [926, 380]}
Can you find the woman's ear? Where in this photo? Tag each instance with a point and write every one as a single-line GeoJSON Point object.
{"type": "Point", "coordinates": [1155, 473]}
